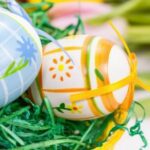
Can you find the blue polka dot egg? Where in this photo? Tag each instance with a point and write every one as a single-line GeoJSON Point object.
{"type": "Point", "coordinates": [20, 56]}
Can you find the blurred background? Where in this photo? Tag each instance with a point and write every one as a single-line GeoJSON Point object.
{"type": "Point", "coordinates": [132, 19]}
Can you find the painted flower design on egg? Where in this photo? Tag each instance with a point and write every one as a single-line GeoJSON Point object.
{"type": "Point", "coordinates": [75, 108]}
{"type": "Point", "coordinates": [61, 68]}
{"type": "Point", "coordinates": [27, 50]}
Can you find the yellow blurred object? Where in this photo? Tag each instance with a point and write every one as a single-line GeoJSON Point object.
{"type": "Point", "coordinates": [112, 141]}
{"type": "Point", "coordinates": [120, 117]}
{"type": "Point", "coordinates": [63, 1]}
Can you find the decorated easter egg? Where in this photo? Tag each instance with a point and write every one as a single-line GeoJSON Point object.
{"type": "Point", "coordinates": [20, 56]}
{"type": "Point", "coordinates": [61, 77]}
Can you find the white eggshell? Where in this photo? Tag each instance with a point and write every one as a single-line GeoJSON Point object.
{"type": "Point", "coordinates": [59, 77]}
{"type": "Point", "coordinates": [118, 68]}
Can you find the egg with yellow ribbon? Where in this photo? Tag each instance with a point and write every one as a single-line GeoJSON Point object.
{"type": "Point", "coordinates": [95, 63]}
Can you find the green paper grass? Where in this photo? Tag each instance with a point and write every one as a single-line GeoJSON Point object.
{"type": "Point", "coordinates": [27, 126]}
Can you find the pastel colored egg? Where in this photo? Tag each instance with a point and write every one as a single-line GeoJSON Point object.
{"type": "Point", "coordinates": [20, 56]}
{"type": "Point", "coordinates": [59, 77]}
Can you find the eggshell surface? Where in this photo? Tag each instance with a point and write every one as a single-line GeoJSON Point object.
{"type": "Point", "coordinates": [20, 56]}
{"type": "Point", "coordinates": [59, 77]}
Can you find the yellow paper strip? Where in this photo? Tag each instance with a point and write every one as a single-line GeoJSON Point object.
{"type": "Point", "coordinates": [103, 90]}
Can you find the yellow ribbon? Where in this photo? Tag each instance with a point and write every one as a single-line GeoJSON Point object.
{"type": "Point", "coordinates": [103, 90]}
{"type": "Point", "coordinates": [131, 79]}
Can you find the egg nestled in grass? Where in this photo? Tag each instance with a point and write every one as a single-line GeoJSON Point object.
{"type": "Point", "coordinates": [60, 78]}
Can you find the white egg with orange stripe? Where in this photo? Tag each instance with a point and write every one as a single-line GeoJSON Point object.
{"type": "Point", "coordinates": [60, 78]}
